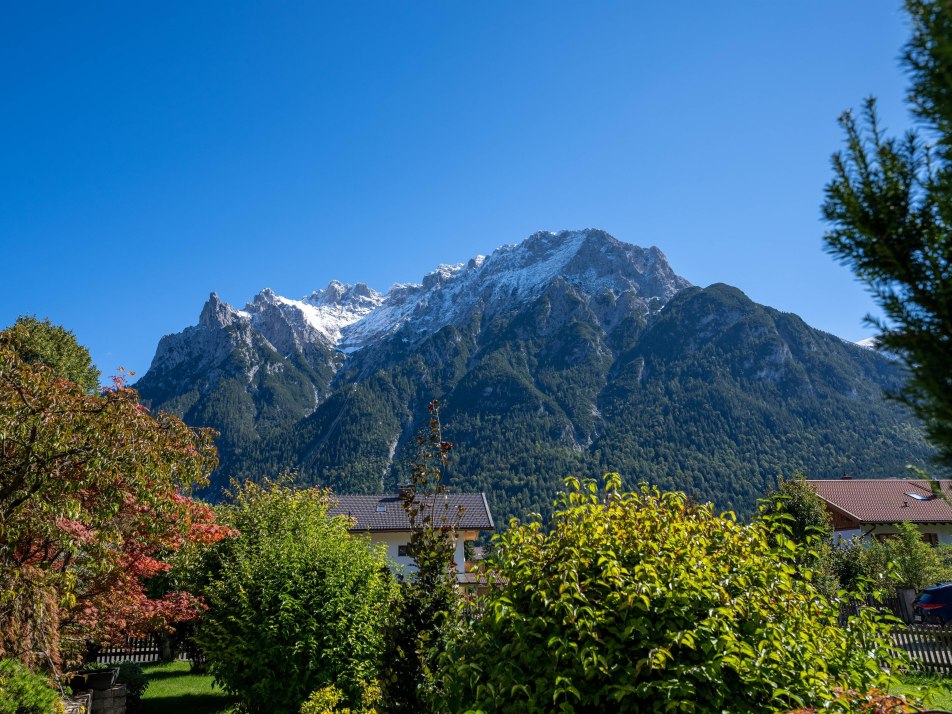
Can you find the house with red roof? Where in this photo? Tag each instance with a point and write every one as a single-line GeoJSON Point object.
{"type": "Point", "coordinates": [871, 508]}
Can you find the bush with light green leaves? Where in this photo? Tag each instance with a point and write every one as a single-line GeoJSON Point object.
{"type": "Point", "coordinates": [295, 603]}
{"type": "Point", "coordinates": [645, 601]}
{"type": "Point", "coordinates": [23, 692]}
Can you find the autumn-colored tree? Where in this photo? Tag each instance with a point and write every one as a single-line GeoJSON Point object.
{"type": "Point", "coordinates": [93, 494]}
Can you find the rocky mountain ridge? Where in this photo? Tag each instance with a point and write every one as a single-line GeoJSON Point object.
{"type": "Point", "coordinates": [570, 352]}
{"type": "Point", "coordinates": [352, 317]}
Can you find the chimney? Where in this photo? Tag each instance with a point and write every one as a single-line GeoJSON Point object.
{"type": "Point", "coordinates": [846, 477]}
{"type": "Point", "coordinates": [405, 490]}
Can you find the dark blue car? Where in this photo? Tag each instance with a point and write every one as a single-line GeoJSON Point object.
{"type": "Point", "coordinates": [934, 604]}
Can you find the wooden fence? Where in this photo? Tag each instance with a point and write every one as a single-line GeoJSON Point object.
{"type": "Point", "coordinates": [147, 649]}
{"type": "Point", "coordinates": [929, 646]}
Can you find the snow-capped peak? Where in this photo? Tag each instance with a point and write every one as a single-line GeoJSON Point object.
{"type": "Point", "coordinates": [590, 259]}
{"type": "Point", "coordinates": [325, 312]}
{"type": "Point", "coordinates": [350, 317]}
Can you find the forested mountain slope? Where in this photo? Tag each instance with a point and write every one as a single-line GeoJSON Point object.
{"type": "Point", "coordinates": [570, 353]}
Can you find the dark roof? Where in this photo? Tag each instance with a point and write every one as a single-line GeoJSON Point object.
{"type": "Point", "coordinates": [888, 500]}
{"type": "Point", "coordinates": [385, 512]}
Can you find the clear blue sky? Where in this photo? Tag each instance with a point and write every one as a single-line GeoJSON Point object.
{"type": "Point", "coordinates": [153, 152]}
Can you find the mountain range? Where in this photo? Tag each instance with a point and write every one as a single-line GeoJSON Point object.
{"type": "Point", "coordinates": [571, 353]}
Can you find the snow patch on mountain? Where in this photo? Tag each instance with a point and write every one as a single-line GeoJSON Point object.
{"type": "Point", "coordinates": [351, 317]}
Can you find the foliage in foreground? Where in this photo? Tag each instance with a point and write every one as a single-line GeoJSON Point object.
{"type": "Point", "coordinates": [644, 601]}
{"type": "Point", "coordinates": [295, 603]}
{"type": "Point", "coordinates": [22, 692]}
{"type": "Point", "coordinates": [327, 700]}
{"type": "Point", "coordinates": [91, 503]}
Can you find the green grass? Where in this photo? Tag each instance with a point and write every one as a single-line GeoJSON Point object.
{"type": "Point", "coordinates": [932, 689]}
{"type": "Point", "coordinates": [173, 688]}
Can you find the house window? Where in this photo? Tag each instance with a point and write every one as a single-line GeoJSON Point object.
{"type": "Point", "coordinates": [931, 538]}
{"type": "Point", "coordinates": [404, 551]}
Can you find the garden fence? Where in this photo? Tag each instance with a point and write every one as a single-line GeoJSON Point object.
{"type": "Point", "coordinates": [145, 649]}
{"type": "Point", "coordinates": [929, 646]}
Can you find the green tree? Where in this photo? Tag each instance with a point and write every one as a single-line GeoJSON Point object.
{"type": "Point", "coordinates": [890, 206]}
{"type": "Point", "coordinates": [916, 563]}
{"type": "Point", "coordinates": [644, 601]}
{"type": "Point", "coordinates": [295, 603]}
{"type": "Point", "coordinates": [42, 342]}
{"type": "Point", "coordinates": [807, 517]}
{"type": "Point", "coordinates": [428, 595]}
{"type": "Point", "coordinates": [795, 509]}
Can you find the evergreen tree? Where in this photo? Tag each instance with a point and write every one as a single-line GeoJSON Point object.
{"type": "Point", "coordinates": [890, 206]}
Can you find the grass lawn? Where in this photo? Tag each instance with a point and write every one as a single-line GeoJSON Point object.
{"type": "Point", "coordinates": [173, 688]}
{"type": "Point", "coordinates": [933, 689]}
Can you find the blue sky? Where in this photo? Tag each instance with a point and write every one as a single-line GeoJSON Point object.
{"type": "Point", "coordinates": [155, 152]}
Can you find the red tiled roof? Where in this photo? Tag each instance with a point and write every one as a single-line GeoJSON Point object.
{"type": "Point", "coordinates": [888, 500]}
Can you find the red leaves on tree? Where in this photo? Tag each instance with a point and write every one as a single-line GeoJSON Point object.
{"type": "Point", "coordinates": [93, 500]}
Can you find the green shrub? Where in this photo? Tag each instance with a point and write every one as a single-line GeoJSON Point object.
{"type": "Point", "coordinates": [96, 667]}
{"type": "Point", "coordinates": [295, 603]}
{"type": "Point", "coordinates": [647, 602]}
{"type": "Point", "coordinates": [22, 692]}
{"type": "Point", "coordinates": [131, 674]}
{"type": "Point", "coordinates": [323, 701]}
{"type": "Point", "coordinates": [327, 701]}
{"type": "Point", "coordinates": [916, 563]}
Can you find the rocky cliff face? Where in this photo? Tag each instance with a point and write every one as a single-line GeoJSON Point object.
{"type": "Point", "coordinates": [570, 352]}
{"type": "Point", "coordinates": [617, 279]}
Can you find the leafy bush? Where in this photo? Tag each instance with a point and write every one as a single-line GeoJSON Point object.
{"type": "Point", "coordinates": [808, 517]}
{"type": "Point", "coordinates": [131, 674]}
{"type": "Point", "coordinates": [916, 563]}
{"type": "Point", "coordinates": [872, 702]}
{"type": "Point", "coordinates": [96, 667]}
{"type": "Point", "coordinates": [323, 701]}
{"type": "Point", "coordinates": [22, 692]}
{"type": "Point", "coordinates": [647, 602]}
{"type": "Point", "coordinates": [327, 701]}
{"type": "Point", "coordinates": [795, 510]}
{"type": "Point", "coordinates": [295, 603]}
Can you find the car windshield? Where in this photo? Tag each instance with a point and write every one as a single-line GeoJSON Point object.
{"type": "Point", "coordinates": [941, 596]}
